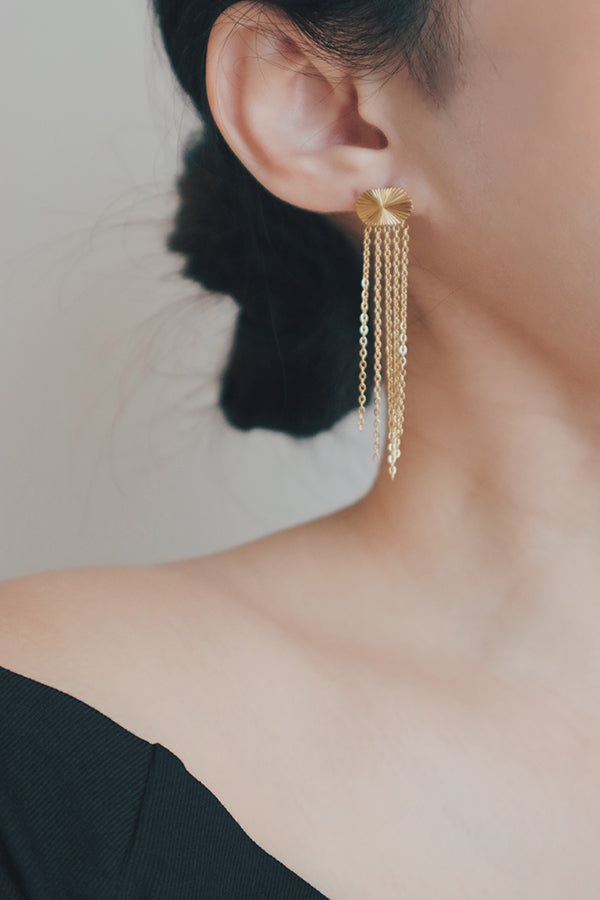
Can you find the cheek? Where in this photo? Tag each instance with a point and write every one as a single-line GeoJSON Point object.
{"type": "Point", "coordinates": [521, 140]}
{"type": "Point", "coordinates": [529, 113]}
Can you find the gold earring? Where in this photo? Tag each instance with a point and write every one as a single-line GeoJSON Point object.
{"type": "Point", "coordinates": [384, 212]}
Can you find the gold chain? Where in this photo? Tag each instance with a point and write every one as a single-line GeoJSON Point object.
{"type": "Point", "coordinates": [395, 398]}
{"type": "Point", "coordinates": [364, 329]}
{"type": "Point", "coordinates": [389, 331]}
{"type": "Point", "coordinates": [378, 337]}
{"type": "Point", "coordinates": [402, 331]}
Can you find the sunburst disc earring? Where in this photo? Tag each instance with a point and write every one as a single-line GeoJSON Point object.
{"type": "Point", "coordinates": [384, 212]}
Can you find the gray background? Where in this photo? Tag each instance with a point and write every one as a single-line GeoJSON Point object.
{"type": "Point", "coordinates": [112, 451]}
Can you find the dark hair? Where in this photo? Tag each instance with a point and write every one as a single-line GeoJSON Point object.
{"type": "Point", "coordinates": [293, 364]}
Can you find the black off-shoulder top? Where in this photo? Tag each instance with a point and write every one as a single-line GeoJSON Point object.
{"type": "Point", "coordinates": [90, 811]}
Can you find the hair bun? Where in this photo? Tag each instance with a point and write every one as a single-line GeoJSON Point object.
{"type": "Point", "coordinates": [294, 362]}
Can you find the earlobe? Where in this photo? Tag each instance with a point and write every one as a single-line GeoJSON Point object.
{"type": "Point", "coordinates": [291, 118]}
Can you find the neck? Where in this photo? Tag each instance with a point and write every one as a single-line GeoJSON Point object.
{"type": "Point", "coordinates": [497, 494]}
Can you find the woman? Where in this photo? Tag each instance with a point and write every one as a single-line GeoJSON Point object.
{"type": "Point", "coordinates": [399, 700]}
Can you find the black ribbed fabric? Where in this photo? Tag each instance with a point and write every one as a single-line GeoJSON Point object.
{"type": "Point", "coordinates": [90, 811]}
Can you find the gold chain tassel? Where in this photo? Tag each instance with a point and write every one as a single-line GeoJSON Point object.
{"type": "Point", "coordinates": [384, 212]}
{"type": "Point", "coordinates": [378, 345]}
{"type": "Point", "coordinates": [364, 329]}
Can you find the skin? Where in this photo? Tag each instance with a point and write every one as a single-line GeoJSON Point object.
{"type": "Point", "coordinates": [403, 698]}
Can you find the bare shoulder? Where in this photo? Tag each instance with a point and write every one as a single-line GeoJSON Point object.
{"type": "Point", "coordinates": [118, 638]}
{"type": "Point", "coordinates": [45, 614]}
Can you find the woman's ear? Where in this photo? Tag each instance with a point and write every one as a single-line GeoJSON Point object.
{"type": "Point", "coordinates": [291, 117]}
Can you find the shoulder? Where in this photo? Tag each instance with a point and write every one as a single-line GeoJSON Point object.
{"type": "Point", "coordinates": [73, 610]}
{"type": "Point", "coordinates": [118, 638]}
{"type": "Point", "coordinates": [73, 782]}
{"type": "Point", "coordinates": [159, 649]}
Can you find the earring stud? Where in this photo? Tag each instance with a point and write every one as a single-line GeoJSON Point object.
{"type": "Point", "coordinates": [384, 212]}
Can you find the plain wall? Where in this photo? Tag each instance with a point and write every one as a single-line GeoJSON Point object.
{"type": "Point", "coordinates": [112, 450]}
